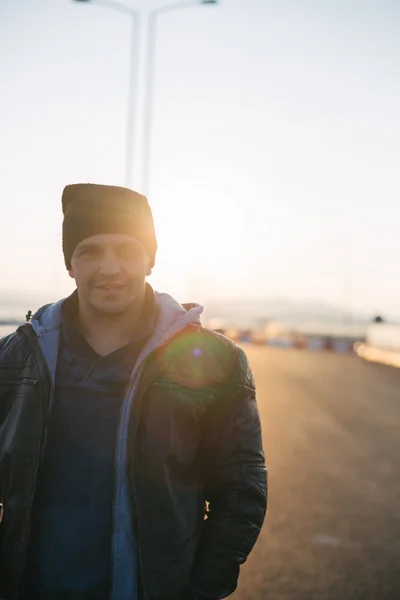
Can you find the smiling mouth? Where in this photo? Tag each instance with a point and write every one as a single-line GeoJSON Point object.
{"type": "Point", "coordinates": [111, 288]}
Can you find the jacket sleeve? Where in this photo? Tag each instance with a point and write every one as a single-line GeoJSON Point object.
{"type": "Point", "coordinates": [4, 342]}
{"type": "Point", "coordinates": [10, 358]}
{"type": "Point", "coordinates": [235, 485]}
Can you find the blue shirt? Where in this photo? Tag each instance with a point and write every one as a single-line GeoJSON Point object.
{"type": "Point", "coordinates": [70, 549]}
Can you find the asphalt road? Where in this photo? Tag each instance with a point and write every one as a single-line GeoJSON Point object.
{"type": "Point", "coordinates": [331, 426]}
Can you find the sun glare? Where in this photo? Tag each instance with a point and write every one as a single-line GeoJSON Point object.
{"type": "Point", "coordinates": [197, 226]}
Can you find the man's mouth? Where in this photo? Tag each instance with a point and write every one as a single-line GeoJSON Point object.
{"type": "Point", "coordinates": [111, 287]}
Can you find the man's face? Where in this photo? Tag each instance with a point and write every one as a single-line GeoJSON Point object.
{"type": "Point", "coordinates": [109, 270]}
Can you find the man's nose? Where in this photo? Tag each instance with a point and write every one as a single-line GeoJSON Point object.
{"type": "Point", "coordinates": [110, 265]}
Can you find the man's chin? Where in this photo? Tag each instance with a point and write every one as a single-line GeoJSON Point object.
{"type": "Point", "coordinates": [111, 309]}
{"type": "Point", "coordinates": [113, 303]}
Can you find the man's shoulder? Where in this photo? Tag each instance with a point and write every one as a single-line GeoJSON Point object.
{"type": "Point", "coordinates": [12, 350]}
{"type": "Point", "coordinates": [8, 343]}
{"type": "Point", "coordinates": [201, 357]}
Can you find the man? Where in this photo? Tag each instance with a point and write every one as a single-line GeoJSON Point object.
{"type": "Point", "coordinates": [121, 420]}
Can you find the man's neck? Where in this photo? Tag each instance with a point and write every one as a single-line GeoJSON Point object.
{"type": "Point", "coordinates": [109, 333]}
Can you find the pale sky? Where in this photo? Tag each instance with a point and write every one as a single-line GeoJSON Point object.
{"type": "Point", "coordinates": [276, 144]}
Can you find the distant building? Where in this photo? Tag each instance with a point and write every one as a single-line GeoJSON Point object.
{"type": "Point", "coordinates": [382, 343]}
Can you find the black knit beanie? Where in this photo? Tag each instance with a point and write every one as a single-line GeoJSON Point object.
{"type": "Point", "coordinates": [90, 209]}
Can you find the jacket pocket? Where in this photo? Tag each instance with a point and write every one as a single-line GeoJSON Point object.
{"type": "Point", "coordinates": [171, 385]}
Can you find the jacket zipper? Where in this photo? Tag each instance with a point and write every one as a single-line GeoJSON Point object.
{"type": "Point", "coordinates": [141, 393]}
{"type": "Point", "coordinates": [26, 380]}
{"type": "Point", "coordinates": [136, 502]}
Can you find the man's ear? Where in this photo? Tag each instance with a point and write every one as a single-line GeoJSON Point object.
{"type": "Point", "coordinates": [71, 273]}
{"type": "Point", "coordinates": [149, 269]}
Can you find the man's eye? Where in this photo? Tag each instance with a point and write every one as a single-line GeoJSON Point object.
{"type": "Point", "coordinates": [127, 252]}
{"type": "Point", "coordinates": [88, 254]}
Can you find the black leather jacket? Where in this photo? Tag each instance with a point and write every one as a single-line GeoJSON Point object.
{"type": "Point", "coordinates": [196, 438]}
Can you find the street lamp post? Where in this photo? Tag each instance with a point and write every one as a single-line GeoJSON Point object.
{"type": "Point", "coordinates": [150, 71]}
{"type": "Point", "coordinates": [131, 125]}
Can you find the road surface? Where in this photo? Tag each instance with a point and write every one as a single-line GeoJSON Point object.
{"type": "Point", "coordinates": [331, 426]}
